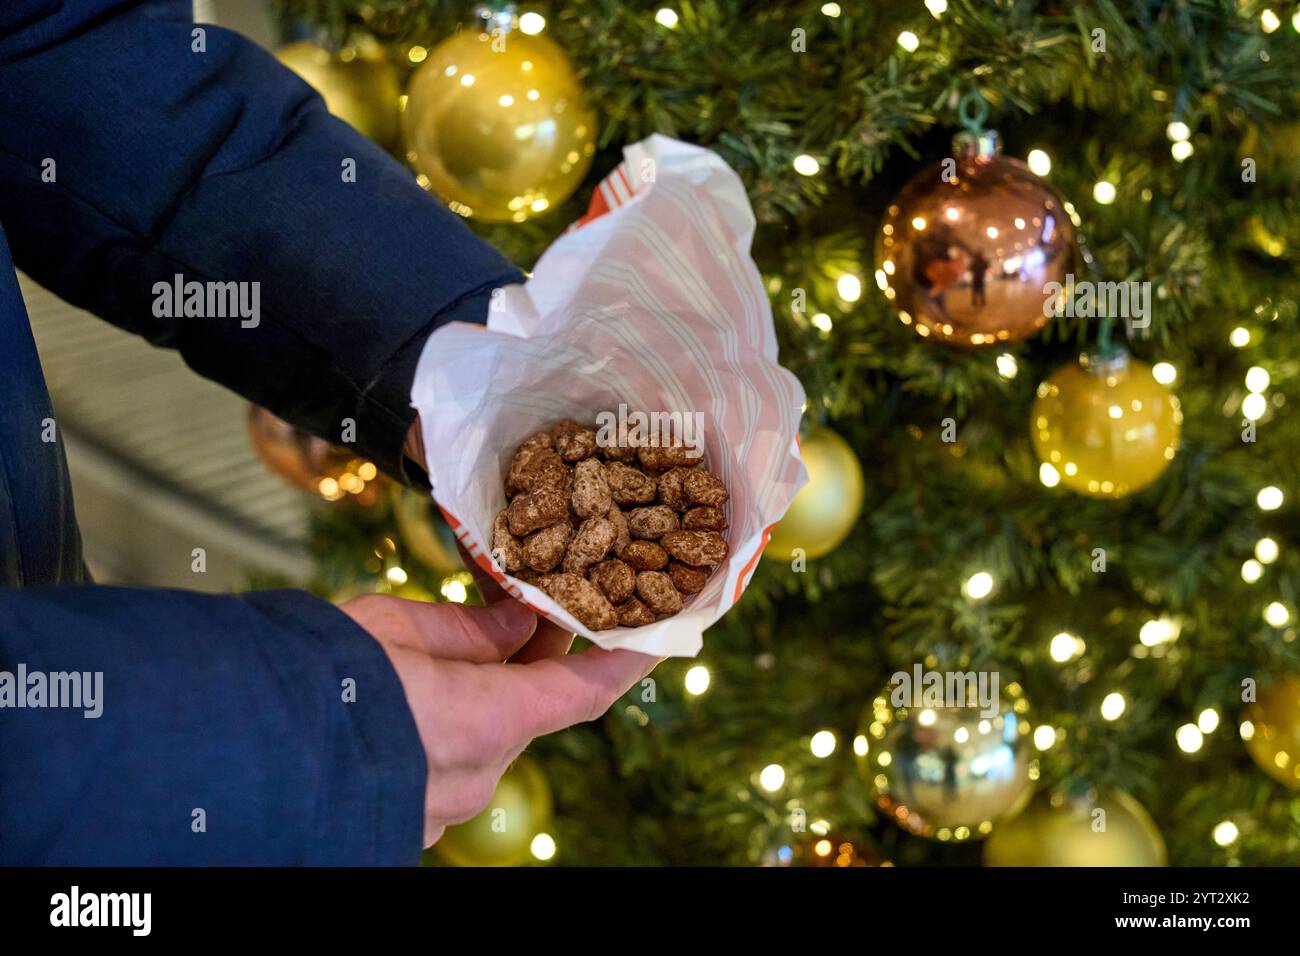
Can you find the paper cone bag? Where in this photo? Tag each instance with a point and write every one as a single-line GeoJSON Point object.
{"type": "Point", "coordinates": [651, 301]}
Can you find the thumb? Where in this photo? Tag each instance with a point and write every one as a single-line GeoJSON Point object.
{"type": "Point", "coordinates": [478, 635]}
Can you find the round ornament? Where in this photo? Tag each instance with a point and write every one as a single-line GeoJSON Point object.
{"type": "Point", "coordinates": [949, 772]}
{"type": "Point", "coordinates": [824, 511]}
{"type": "Point", "coordinates": [1087, 830]}
{"type": "Point", "coordinates": [311, 463]}
{"type": "Point", "coordinates": [966, 249]}
{"type": "Point", "coordinates": [1273, 738]}
{"type": "Point", "coordinates": [1104, 426]}
{"type": "Point", "coordinates": [359, 85]}
{"type": "Point", "coordinates": [502, 834]}
{"type": "Point", "coordinates": [497, 125]}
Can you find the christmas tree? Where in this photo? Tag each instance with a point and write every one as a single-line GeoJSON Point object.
{"type": "Point", "coordinates": [1048, 437]}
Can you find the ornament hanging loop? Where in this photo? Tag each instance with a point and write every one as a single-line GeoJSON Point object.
{"type": "Point", "coordinates": [975, 143]}
{"type": "Point", "coordinates": [973, 111]}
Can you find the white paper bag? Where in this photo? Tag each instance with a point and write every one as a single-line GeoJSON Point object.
{"type": "Point", "coordinates": [650, 300]}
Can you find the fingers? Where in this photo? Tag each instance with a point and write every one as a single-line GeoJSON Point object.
{"type": "Point", "coordinates": [549, 640]}
{"type": "Point", "coordinates": [557, 692]}
{"type": "Point", "coordinates": [479, 635]}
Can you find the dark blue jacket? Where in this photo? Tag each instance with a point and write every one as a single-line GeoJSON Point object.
{"type": "Point", "coordinates": [224, 735]}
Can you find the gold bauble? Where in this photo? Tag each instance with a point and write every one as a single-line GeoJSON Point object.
{"type": "Point", "coordinates": [944, 771]}
{"type": "Point", "coordinates": [825, 510]}
{"type": "Point", "coordinates": [359, 86]}
{"type": "Point", "coordinates": [311, 463]}
{"type": "Point", "coordinates": [498, 125]}
{"type": "Point", "coordinates": [502, 834]}
{"type": "Point", "coordinates": [1276, 152]}
{"type": "Point", "coordinates": [1274, 735]}
{"type": "Point", "coordinates": [966, 249]}
{"type": "Point", "coordinates": [1114, 830]}
{"type": "Point", "coordinates": [1105, 426]}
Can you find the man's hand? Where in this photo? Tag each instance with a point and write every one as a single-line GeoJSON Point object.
{"type": "Point", "coordinates": [477, 709]}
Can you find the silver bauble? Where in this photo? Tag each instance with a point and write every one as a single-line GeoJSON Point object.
{"type": "Point", "coordinates": [947, 772]}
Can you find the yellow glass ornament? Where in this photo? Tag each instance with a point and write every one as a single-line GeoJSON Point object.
{"type": "Point", "coordinates": [502, 834]}
{"type": "Point", "coordinates": [359, 85]}
{"type": "Point", "coordinates": [1104, 426]}
{"type": "Point", "coordinates": [497, 125]}
{"type": "Point", "coordinates": [1112, 830]}
{"type": "Point", "coordinates": [1274, 736]}
{"type": "Point", "coordinates": [825, 510]}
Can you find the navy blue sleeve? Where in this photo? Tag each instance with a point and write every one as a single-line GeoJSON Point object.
{"type": "Point", "coordinates": [128, 157]}
{"type": "Point", "coordinates": [267, 728]}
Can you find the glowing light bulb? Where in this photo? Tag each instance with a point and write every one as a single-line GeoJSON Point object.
{"type": "Point", "coordinates": [1239, 337]}
{"type": "Point", "coordinates": [1269, 21]}
{"type": "Point", "coordinates": [1044, 737]}
{"type": "Point", "coordinates": [1177, 131]}
{"type": "Point", "coordinates": [454, 591]}
{"type": "Point", "coordinates": [1189, 738]}
{"type": "Point", "coordinates": [1270, 498]}
{"type": "Point", "coordinates": [1276, 614]}
{"type": "Point", "coordinates": [1181, 150]}
{"type": "Point", "coordinates": [396, 575]}
{"type": "Point", "coordinates": [937, 8]}
{"type": "Point", "coordinates": [1164, 373]}
{"type": "Point", "coordinates": [860, 745]}
{"type": "Point", "coordinates": [666, 17]}
{"type": "Point", "coordinates": [1104, 192]}
{"type": "Point", "coordinates": [532, 23]}
{"type": "Point", "coordinates": [1207, 721]}
{"type": "Point", "coordinates": [697, 680]}
{"type": "Point", "coordinates": [1266, 550]}
{"type": "Point", "coordinates": [1065, 647]}
{"type": "Point", "coordinates": [542, 846]}
{"type": "Point", "coordinates": [1226, 833]}
{"type": "Point", "coordinates": [772, 778]}
{"type": "Point", "coordinates": [1007, 365]}
{"type": "Point", "coordinates": [1113, 705]}
{"type": "Point", "coordinates": [1048, 475]}
{"type": "Point", "coordinates": [1159, 631]}
{"type": "Point", "coordinates": [822, 322]}
{"type": "Point", "coordinates": [831, 10]}
{"type": "Point", "coordinates": [979, 585]}
{"type": "Point", "coordinates": [908, 41]}
{"type": "Point", "coordinates": [1257, 379]}
{"type": "Point", "coordinates": [1251, 571]}
{"type": "Point", "coordinates": [823, 744]}
{"type": "Point", "coordinates": [1040, 164]}
{"type": "Point", "coordinates": [1253, 406]}
{"type": "Point", "coordinates": [849, 287]}
{"type": "Point", "coordinates": [806, 165]}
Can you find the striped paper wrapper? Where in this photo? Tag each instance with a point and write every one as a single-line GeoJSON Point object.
{"type": "Point", "coordinates": [650, 300]}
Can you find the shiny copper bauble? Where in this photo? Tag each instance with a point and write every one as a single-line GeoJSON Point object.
{"type": "Point", "coordinates": [968, 246]}
{"type": "Point", "coordinates": [311, 463]}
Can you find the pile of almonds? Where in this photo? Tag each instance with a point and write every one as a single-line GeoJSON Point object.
{"type": "Point", "coordinates": [618, 536]}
